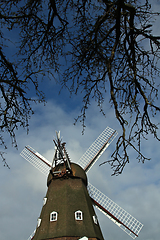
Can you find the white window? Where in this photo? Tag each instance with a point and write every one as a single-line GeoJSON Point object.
{"type": "Point", "coordinates": [53, 216]}
{"type": "Point", "coordinates": [78, 215]}
{"type": "Point", "coordinates": [38, 222]}
{"type": "Point", "coordinates": [95, 220]}
{"type": "Point", "coordinates": [84, 238]}
{"type": "Point", "coordinates": [44, 201]}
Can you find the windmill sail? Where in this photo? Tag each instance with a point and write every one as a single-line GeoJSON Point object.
{"type": "Point", "coordinates": [114, 212]}
{"type": "Point", "coordinates": [32, 235]}
{"type": "Point", "coordinates": [97, 148]}
{"type": "Point", "coordinates": [34, 158]}
{"type": "Point", "coordinates": [118, 215]}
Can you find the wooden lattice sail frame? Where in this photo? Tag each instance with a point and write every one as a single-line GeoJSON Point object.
{"type": "Point", "coordinates": [118, 215]}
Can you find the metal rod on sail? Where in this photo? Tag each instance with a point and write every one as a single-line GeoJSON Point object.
{"type": "Point", "coordinates": [112, 216]}
{"type": "Point", "coordinates": [103, 148]}
{"type": "Point", "coordinates": [38, 156]}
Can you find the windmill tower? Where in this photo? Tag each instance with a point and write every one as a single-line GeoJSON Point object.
{"type": "Point", "coordinates": [67, 211]}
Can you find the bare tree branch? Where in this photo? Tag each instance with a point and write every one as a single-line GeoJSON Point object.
{"type": "Point", "coordinates": [99, 48]}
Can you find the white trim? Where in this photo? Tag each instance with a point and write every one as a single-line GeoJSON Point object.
{"type": "Point", "coordinates": [83, 238]}
{"type": "Point", "coordinates": [95, 220]}
{"type": "Point", "coordinates": [39, 222]}
{"type": "Point", "coordinates": [53, 216]}
{"type": "Point", "coordinates": [78, 215]}
{"type": "Point", "coordinates": [44, 201]}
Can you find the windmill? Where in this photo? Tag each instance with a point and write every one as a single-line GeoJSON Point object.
{"type": "Point", "coordinates": [67, 212]}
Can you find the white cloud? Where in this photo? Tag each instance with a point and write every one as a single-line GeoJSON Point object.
{"type": "Point", "coordinates": [23, 187]}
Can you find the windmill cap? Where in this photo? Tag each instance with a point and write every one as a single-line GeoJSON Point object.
{"type": "Point", "coordinates": [77, 172]}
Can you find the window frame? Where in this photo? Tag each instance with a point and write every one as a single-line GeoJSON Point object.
{"type": "Point", "coordinates": [53, 216]}
{"type": "Point", "coordinates": [44, 201]}
{"type": "Point", "coordinates": [39, 222]}
{"type": "Point", "coordinates": [78, 215]}
{"type": "Point", "coordinates": [95, 219]}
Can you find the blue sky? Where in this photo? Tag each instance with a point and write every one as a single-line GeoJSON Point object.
{"type": "Point", "coordinates": [23, 187]}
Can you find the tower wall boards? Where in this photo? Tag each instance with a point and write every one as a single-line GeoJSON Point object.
{"type": "Point", "coordinates": [65, 196]}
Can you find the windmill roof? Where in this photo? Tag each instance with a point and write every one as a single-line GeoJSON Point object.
{"type": "Point", "coordinates": [77, 172]}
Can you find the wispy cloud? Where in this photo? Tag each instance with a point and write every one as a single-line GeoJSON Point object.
{"type": "Point", "coordinates": [23, 187]}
